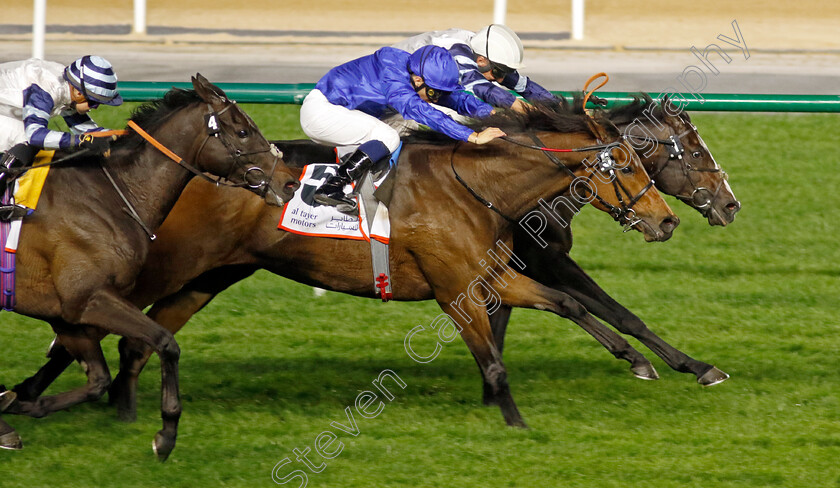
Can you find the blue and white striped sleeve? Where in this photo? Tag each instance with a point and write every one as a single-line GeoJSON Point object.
{"type": "Point", "coordinates": [37, 106]}
{"type": "Point", "coordinates": [79, 123]}
{"type": "Point", "coordinates": [526, 87]}
{"type": "Point", "coordinates": [475, 82]}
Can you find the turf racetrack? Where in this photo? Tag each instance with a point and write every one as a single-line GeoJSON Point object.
{"type": "Point", "coordinates": [267, 367]}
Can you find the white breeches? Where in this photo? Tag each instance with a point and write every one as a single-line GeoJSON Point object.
{"type": "Point", "coordinates": [329, 124]}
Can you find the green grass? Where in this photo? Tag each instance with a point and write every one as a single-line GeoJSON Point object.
{"type": "Point", "coordinates": [266, 367]}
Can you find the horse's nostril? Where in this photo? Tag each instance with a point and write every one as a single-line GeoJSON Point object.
{"type": "Point", "coordinates": [733, 207]}
{"type": "Point", "coordinates": [668, 224]}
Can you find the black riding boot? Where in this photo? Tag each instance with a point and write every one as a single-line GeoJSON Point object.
{"type": "Point", "coordinates": [332, 191]}
{"type": "Point", "coordinates": [18, 157]}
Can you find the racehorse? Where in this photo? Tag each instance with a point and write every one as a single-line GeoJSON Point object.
{"type": "Point", "coordinates": [440, 231]}
{"type": "Point", "coordinates": [79, 254]}
{"type": "Point", "coordinates": [676, 156]}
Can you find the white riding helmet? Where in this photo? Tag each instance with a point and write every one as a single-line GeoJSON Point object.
{"type": "Point", "coordinates": [499, 44]}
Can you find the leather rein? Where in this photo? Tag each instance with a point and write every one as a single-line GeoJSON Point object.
{"type": "Point", "coordinates": [604, 162]}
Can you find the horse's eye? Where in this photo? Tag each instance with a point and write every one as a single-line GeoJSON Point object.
{"type": "Point", "coordinates": [627, 170]}
{"type": "Point", "coordinates": [695, 155]}
{"type": "Point", "coordinates": [242, 133]}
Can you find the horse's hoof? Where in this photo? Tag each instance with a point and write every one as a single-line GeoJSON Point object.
{"type": "Point", "coordinates": [7, 398]}
{"type": "Point", "coordinates": [518, 423]}
{"type": "Point", "coordinates": [163, 445]}
{"type": "Point", "coordinates": [645, 371]}
{"type": "Point", "coordinates": [11, 440]}
{"type": "Point", "coordinates": [712, 377]}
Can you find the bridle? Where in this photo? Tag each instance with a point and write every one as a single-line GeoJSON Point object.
{"type": "Point", "coordinates": [701, 197]}
{"type": "Point", "coordinates": [238, 160]}
{"type": "Point", "coordinates": [604, 162]}
{"type": "Point", "coordinates": [261, 184]}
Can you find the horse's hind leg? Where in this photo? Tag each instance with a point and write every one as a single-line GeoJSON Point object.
{"type": "Point", "coordinates": [89, 353]}
{"type": "Point", "coordinates": [9, 439]}
{"type": "Point", "coordinates": [59, 359]}
{"type": "Point", "coordinates": [574, 281]}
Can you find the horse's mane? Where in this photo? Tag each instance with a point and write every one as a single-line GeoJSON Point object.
{"type": "Point", "coordinates": [539, 116]}
{"type": "Point", "coordinates": [152, 114]}
{"type": "Point", "coordinates": [641, 108]}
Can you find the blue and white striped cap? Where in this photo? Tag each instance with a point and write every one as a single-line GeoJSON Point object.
{"type": "Point", "coordinates": [95, 78]}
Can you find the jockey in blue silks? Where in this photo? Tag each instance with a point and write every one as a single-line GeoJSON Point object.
{"type": "Point", "coordinates": [33, 91]}
{"type": "Point", "coordinates": [344, 107]}
{"type": "Point", "coordinates": [488, 61]}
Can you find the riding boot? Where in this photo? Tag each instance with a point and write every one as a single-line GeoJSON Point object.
{"type": "Point", "coordinates": [13, 161]}
{"type": "Point", "coordinates": [332, 191]}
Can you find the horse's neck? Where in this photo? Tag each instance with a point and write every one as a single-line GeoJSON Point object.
{"type": "Point", "coordinates": [152, 182]}
{"type": "Point", "coordinates": [523, 179]}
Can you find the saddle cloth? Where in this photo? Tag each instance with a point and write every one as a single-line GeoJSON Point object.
{"type": "Point", "coordinates": [302, 215]}
{"type": "Point", "coordinates": [27, 192]}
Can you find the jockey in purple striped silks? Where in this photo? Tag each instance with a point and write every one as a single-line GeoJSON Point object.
{"type": "Point", "coordinates": [488, 61]}
{"type": "Point", "coordinates": [33, 91]}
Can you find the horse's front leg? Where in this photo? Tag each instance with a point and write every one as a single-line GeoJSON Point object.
{"type": "Point", "coordinates": [479, 339]}
{"type": "Point", "coordinates": [570, 278]}
{"type": "Point", "coordinates": [527, 293]}
{"type": "Point", "coordinates": [116, 315]}
{"type": "Point", "coordinates": [172, 313]}
{"type": "Point", "coordinates": [498, 325]}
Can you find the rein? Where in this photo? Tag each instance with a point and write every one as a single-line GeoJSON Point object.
{"type": "Point", "coordinates": [625, 211]}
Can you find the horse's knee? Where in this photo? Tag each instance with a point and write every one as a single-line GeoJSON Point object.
{"type": "Point", "coordinates": [168, 348]}
{"type": "Point", "coordinates": [97, 386]}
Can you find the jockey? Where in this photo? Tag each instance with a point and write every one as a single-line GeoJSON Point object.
{"type": "Point", "coordinates": [493, 54]}
{"type": "Point", "coordinates": [33, 91]}
{"type": "Point", "coordinates": [343, 108]}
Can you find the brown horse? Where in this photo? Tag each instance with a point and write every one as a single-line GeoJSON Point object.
{"type": "Point", "coordinates": [440, 233]}
{"type": "Point", "coordinates": [80, 254]}
{"type": "Point", "coordinates": [675, 156]}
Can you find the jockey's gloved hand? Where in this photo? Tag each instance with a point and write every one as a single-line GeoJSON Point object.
{"type": "Point", "coordinates": [99, 145]}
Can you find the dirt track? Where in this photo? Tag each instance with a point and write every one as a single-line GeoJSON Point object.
{"type": "Point", "coordinates": [766, 24]}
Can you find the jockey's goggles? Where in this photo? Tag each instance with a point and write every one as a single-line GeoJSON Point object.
{"type": "Point", "coordinates": [500, 71]}
{"type": "Point", "coordinates": [433, 94]}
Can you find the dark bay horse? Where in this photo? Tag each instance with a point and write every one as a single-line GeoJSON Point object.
{"type": "Point", "coordinates": [80, 254]}
{"type": "Point", "coordinates": [440, 233]}
{"type": "Point", "coordinates": [676, 156]}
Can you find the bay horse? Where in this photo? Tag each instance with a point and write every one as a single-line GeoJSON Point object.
{"type": "Point", "coordinates": [80, 254]}
{"type": "Point", "coordinates": [675, 155]}
{"type": "Point", "coordinates": [439, 234]}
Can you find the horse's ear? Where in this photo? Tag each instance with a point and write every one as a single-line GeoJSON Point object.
{"type": "Point", "coordinates": [208, 92]}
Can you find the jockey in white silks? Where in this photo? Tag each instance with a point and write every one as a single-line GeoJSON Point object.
{"type": "Point", "coordinates": [33, 91]}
